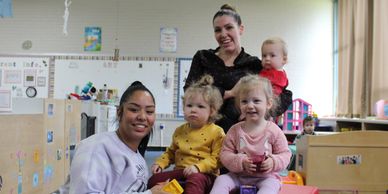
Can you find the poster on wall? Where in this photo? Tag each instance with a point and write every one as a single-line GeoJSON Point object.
{"type": "Point", "coordinates": [6, 9]}
{"type": "Point", "coordinates": [5, 100]}
{"type": "Point", "coordinates": [92, 39]}
{"type": "Point", "coordinates": [183, 72]}
{"type": "Point", "coordinates": [25, 76]}
{"type": "Point", "coordinates": [29, 77]}
{"type": "Point", "coordinates": [12, 76]}
{"type": "Point", "coordinates": [168, 39]}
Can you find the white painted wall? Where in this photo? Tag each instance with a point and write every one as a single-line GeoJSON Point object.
{"type": "Point", "coordinates": [307, 27]}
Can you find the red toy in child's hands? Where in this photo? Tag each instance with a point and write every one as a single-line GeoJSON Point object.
{"type": "Point", "coordinates": [258, 159]}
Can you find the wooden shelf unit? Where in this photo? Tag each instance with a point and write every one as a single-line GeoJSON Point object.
{"type": "Point", "coordinates": [318, 161]}
{"type": "Point", "coordinates": [356, 124]}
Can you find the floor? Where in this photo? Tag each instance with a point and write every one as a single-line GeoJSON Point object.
{"type": "Point", "coordinates": [151, 155]}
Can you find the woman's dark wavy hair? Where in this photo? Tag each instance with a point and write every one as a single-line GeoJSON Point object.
{"type": "Point", "coordinates": [135, 86]}
{"type": "Point", "coordinates": [228, 10]}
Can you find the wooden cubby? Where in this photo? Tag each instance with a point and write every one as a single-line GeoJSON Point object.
{"type": "Point", "coordinates": [355, 124]}
{"type": "Point", "coordinates": [318, 160]}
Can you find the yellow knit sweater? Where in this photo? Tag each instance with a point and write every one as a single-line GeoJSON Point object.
{"type": "Point", "coordinates": [200, 147]}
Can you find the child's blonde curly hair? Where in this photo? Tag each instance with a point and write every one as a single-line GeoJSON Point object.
{"type": "Point", "coordinates": [210, 94]}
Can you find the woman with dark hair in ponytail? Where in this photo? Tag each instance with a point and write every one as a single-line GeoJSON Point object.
{"type": "Point", "coordinates": [112, 162]}
{"type": "Point", "coordinates": [228, 63]}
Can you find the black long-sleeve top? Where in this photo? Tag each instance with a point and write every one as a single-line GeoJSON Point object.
{"type": "Point", "coordinates": [207, 62]}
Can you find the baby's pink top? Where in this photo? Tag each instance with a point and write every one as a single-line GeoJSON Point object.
{"type": "Point", "coordinates": [239, 145]}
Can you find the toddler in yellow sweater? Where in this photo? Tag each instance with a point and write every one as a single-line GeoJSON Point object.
{"type": "Point", "coordinates": [196, 144]}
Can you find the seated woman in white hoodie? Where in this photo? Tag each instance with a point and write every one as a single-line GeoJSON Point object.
{"type": "Point", "coordinates": [110, 162]}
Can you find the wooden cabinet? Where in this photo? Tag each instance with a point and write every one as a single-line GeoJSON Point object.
{"type": "Point", "coordinates": [354, 160]}
{"type": "Point", "coordinates": [346, 124]}
{"type": "Point", "coordinates": [34, 148]}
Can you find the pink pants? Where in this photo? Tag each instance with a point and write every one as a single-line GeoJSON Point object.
{"type": "Point", "coordinates": [231, 182]}
{"type": "Point", "coordinates": [196, 183]}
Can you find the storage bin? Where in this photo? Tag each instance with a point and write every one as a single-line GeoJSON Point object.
{"type": "Point", "coordinates": [382, 109]}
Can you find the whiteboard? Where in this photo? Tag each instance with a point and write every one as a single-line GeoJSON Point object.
{"type": "Point", "coordinates": [18, 73]}
{"type": "Point", "coordinates": [157, 76]}
{"type": "Point", "coordinates": [183, 72]}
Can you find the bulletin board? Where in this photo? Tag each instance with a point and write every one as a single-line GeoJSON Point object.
{"type": "Point", "coordinates": [19, 73]}
{"type": "Point", "coordinates": [157, 75]}
{"type": "Point", "coordinates": [183, 72]}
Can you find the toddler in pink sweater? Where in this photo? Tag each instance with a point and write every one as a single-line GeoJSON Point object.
{"type": "Point", "coordinates": [254, 150]}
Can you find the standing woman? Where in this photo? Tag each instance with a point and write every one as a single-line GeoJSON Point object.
{"type": "Point", "coordinates": [227, 64]}
{"type": "Point", "coordinates": [110, 162]}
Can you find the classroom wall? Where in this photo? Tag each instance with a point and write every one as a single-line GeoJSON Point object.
{"type": "Point", "coordinates": [133, 26]}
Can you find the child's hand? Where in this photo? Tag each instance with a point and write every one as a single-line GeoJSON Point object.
{"type": "Point", "coordinates": [248, 165]}
{"type": "Point", "coordinates": [267, 165]}
{"type": "Point", "coordinates": [156, 169]}
{"type": "Point", "coordinates": [158, 189]}
{"type": "Point", "coordinates": [189, 170]}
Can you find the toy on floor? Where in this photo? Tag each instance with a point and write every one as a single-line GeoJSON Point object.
{"type": "Point", "coordinates": [293, 178]}
{"type": "Point", "coordinates": [173, 187]}
{"type": "Point", "coordinates": [248, 189]}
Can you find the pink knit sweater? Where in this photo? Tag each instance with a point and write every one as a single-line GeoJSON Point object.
{"type": "Point", "coordinates": [239, 145]}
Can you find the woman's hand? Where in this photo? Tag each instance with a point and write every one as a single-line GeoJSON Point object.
{"type": "Point", "coordinates": [158, 189]}
{"type": "Point", "coordinates": [189, 170]}
{"type": "Point", "coordinates": [228, 94]}
{"type": "Point", "coordinates": [267, 165]}
{"type": "Point", "coordinates": [156, 169]}
{"type": "Point", "coordinates": [233, 92]}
